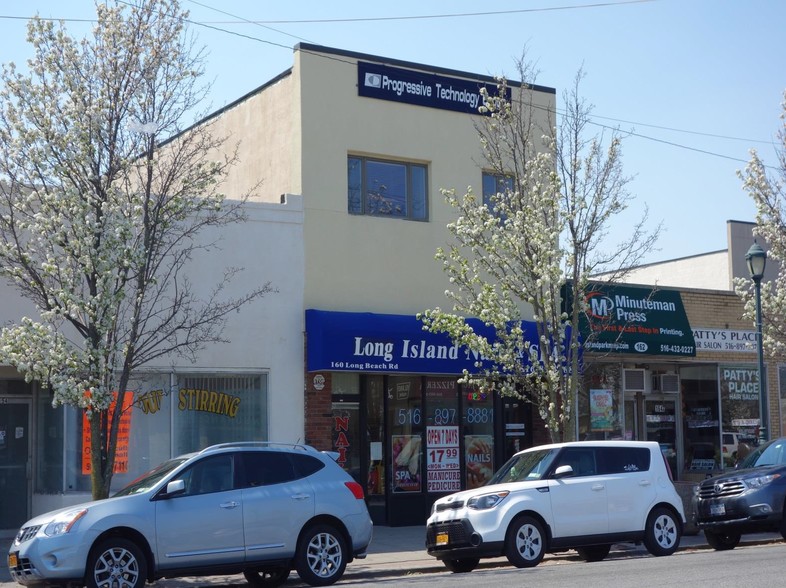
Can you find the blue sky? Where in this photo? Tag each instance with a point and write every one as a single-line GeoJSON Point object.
{"type": "Point", "coordinates": [699, 82]}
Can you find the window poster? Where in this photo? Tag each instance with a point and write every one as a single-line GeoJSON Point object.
{"type": "Point", "coordinates": [479, 454]}
{"type": "Point", "coordinates": [443, 467]}
{"type": "Point", "coordinates": [406, 463]}
{"type": "Point", "coordinates": [123, 435]}
{"type": "Point", "coordinates": [601, 410]}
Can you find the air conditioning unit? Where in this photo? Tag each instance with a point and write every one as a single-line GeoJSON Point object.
{"type": "Point", "coordinates": [634, 380]}
{"type": "Point", "coordinates": [666, 383]}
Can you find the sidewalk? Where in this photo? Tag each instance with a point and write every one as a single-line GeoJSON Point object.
{"type": "Point", "coordinates": [400, 551]}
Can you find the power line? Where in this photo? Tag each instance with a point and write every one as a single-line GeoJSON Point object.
{"type": "Point", "coordinates": [208, 25]}
{"type": "Point", "coordinates": [443, 15]}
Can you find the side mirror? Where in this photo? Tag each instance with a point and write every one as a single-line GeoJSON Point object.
{"type": "Point", "coordinates": [174, 488]}
{"type": "Point", "coordinates": [563, 471]}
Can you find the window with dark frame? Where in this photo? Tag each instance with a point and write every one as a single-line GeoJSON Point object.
{"type": "Point", "coordinates": [394, 189]}
{"type": "Point", "coordinates": [495, 184]}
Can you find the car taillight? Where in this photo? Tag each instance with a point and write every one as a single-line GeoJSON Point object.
{"type": "Point", "coordinates": [356, 489]}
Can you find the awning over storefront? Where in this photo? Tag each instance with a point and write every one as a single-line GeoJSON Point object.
{"type": "Point", "coordinates": [625, 319]}
{"type": "Point", "coordinates": [368, 342]}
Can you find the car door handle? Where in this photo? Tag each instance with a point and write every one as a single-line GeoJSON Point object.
{"type": "Point", "coordinates": [231, 504]}
{"type": "Point", "coordinates": [300, 496]}
{"type": "Point", "coordinates": [645, 483]}
{"type": "Point", "coordinates": [597, 487]}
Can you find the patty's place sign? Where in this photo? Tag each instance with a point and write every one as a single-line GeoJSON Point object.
{"type": "Point", "coordinates": [623, 319]}
{"type": "Point", "coordinates": [422, 89]}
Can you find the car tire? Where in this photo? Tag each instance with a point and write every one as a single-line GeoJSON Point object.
{"type": "Point", "coordinates": [525, 542]}
{"type": "Point", "coordinates": [116, 562]}
{"type": "Point", "coordinates": [593, 552]}
{"type": "Point", "coordinates": [723, 540]}
{"type": "Point", "coordinates": [663, 532]}
{"type": "Point", "coordinates": [461, 565]}
{"type": "Point", "coordinates": [321, 556]}
{"type": "Point", "coordinates": [266, 578]}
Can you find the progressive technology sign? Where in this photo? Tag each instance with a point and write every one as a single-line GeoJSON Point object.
{"type": "Point", "coordinates": [422, 89]}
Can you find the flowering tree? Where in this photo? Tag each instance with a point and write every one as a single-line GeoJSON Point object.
{"type": "Point", "coordinates": [768, 191]}
{"type": "Point", "coordinates": [99, 216]}
{"type": "Point", "coordinates": [542, 231]}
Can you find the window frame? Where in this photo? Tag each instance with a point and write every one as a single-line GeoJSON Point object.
{"type": "Point", "coordinates": [504, 181]}
{"type": "Point", "coordinates": [410, 168]}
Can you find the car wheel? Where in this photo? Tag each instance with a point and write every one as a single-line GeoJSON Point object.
{"type": "Point", "coordinates": [722, 541]}
{"type": "Point", "coordinates": [525, 543]}
{"type": "Point", "coordinates": [267, 578]}
{"type": "Point", "coordinates": [662, 533]}
{"type": "Point", "coordinates": [462, 565]}
{"type": "Point", "coordinates": [593, 552]}
{"type": "Point", "coordinates": [116, 563]}
{"type": "Point", "coordinates": [321, 556]}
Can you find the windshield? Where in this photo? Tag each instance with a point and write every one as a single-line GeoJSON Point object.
{"type": "Point", "coordinates": [530, 465]}
{"type": "Point", "coordinates": [773, 453]}
{"type": "Point", "coordinates": [151, 478]}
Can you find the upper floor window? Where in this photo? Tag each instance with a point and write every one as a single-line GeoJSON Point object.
{"type": "Point", "coordinates": [495, 184]}
{"type": "Point", "coordinates": [387, 188]}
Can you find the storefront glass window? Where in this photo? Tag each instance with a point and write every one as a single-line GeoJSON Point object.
{"type": "Point", "coordinates": [443, 463]}
{"type": "Point", "coordinates": [143, 440]}
{"type": "Point", "coordinates": [375, 486]}
{"type": "Point", "coordinates": [782, 395]}
{"type": "Point", "coordinates": [739, 390]}
{"type": "Point", "coordinates": [405, 423]}
{"type": "Point", "coordinates": [601, 404]}
{"type": "Point", "coordinates": [211, 409]}
{"type": "Point", "coordinates": [478, 432]}
{"type": "Point", "coordinates": [346, 421]}
{"type": "Point", "coordinates": [49, 461]}
{"type": "Point", "coordinates": [701, 431]}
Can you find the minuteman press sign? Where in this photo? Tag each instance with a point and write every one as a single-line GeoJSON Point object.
{"type": "Point", "coordinates": [624, 319]}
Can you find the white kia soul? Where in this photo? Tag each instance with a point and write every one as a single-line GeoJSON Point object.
{"type": "Point", "coordinates": [583, 495]}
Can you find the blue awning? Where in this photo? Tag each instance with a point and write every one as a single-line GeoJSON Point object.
{"type": "Point", "coordinates": [388, 343]}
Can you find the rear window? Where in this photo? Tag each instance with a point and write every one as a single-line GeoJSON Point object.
{"type": "Point", "coordinates": [620, 460]}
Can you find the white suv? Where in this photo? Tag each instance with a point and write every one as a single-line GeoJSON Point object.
{"type": "Point", "coordinates": [257, 508]}
{"type": "Point", "coordinates": [582, 495]}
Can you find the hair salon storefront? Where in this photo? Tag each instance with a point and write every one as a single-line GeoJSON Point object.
{"type": "Point", "coordinates": [386, 393]}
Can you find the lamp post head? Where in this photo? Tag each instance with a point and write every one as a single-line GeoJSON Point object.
{"type": "Point", "coordinates": [756, 258]}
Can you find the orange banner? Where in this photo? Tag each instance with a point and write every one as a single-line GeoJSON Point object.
{"type": "Point", "coordinates": [121, 452]}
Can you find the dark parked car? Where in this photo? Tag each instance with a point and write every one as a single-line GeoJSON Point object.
{"type": "Point", "coordinates": [748, 499]}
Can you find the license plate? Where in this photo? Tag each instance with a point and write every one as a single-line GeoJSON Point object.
{"type": "Point", "coordinates": [12, 560]}
{"type": "Point", "coordinates": [717, 510]}
{"type": "Point", "coordinates": [442, 539]}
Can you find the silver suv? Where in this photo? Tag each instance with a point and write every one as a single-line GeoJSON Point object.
{"type": "Point", "coordinates": [258, 508]}
{"type": "Point", "coordinates": [582, 495]}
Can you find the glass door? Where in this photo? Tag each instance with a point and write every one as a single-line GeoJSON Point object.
{"type": "Point", "coordinates": [660, 421]}
{"type": "Point", "coordinates": [15, 451]}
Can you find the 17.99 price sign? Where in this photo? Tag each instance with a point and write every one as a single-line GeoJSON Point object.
{"type": "Point", "coordinates": [443, 466]}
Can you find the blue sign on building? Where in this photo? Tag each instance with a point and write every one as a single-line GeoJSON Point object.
{"type": "Point", "coordinates": [422, 89]}
{"type": "Point", "coordinates": [352, 341]}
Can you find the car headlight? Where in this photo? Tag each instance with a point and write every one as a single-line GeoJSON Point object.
{"type": "Point", "coordinates": [64, 522]}
{"type": "Point", "coordinates": [486, 501]}
{"type": "Point", "coordinates": [760, 481]}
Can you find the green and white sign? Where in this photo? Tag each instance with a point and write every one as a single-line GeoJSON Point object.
{"type": "Point", "coordinates": [625, 319]}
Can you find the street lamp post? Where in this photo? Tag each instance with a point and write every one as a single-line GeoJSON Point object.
{"type": "Point", "coordinates": [756, 259]}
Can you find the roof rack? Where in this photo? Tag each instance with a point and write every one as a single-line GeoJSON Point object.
{"type": "Point", "coordinates": [300, 446]}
